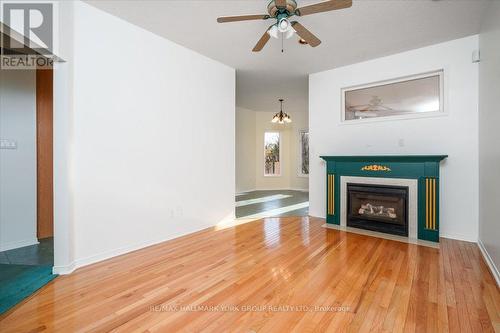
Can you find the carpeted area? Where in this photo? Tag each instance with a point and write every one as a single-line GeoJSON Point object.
{"type": "Point", "coordinates": [41, 254]}
{"type": "Point", "coordinates": [19, 281]}
{"type": "Point", "coordinates": [23, 271]}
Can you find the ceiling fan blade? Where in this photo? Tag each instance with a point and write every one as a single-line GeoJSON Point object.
{"type": "Point", "coordinates": [226, 19]}
{"type": "Point", "coordinates": [280, 3]}
{"type": "Point", "coordinates": [323, 7]}
{"type": "Point", "coordinates": [262, 41]}
{"type": "Point", "coordinates": [305, 34]}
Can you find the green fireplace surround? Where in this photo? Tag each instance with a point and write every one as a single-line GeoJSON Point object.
{"type": "Point", "coordinates": [424, 168]}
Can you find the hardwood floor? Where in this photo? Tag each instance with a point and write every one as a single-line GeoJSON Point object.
{"type": "Point", "coordinates": [370, 284]}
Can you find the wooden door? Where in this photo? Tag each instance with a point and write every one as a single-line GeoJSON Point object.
{"type": "Point", "coordinates": [44, 132]}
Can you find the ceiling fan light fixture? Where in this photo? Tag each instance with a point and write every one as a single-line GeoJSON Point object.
{"type": "Point", "coordinates": [274, 32]}
{"type": "Point", "coordinates": [284, 25]}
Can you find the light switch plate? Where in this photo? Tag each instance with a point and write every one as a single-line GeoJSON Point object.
{"type": "Point", "coordinates": [8, 144]}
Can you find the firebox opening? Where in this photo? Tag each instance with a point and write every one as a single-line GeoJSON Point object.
{"type": "Point", "coordinates": [378, 208]}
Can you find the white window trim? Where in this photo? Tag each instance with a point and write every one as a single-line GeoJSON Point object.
{"type": "Point", "coordinates": [299, 152]}
{"type": "Point", "coordinates": [442, 111]}
{"type": "Point", "coordinates": [264, 154]}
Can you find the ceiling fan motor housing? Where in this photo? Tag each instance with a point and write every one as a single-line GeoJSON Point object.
{"type": "Point", "coordinates": [289, 10]}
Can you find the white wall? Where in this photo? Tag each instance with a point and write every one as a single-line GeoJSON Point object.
{"type": "Point", "coordinates": [151, 131]}
{"type": "Point", "coordinates": [63, 159]}
{"type": "Point", "coordinates": [455, 134]}
{"type": "Point", "coordinates": [18, 166]}
{"type": "Point", "coordinates": [489, 134]}
{"type": "Point", "coordinates": [245, 150]}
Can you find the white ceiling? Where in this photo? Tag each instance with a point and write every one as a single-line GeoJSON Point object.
{"type": "Point", "coordinates": [367, 30]}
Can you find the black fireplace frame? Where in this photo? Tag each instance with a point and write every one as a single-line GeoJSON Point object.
{"type": "Point", "coordinates": [373, 224]}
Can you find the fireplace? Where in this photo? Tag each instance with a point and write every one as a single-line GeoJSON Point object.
{"type": "Point", "coordinates": [416, 212]}
{"type": "Point", "coordinates": [382, 208]}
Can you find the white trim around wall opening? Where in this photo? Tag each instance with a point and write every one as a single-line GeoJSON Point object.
{"type": "Point", "coordinates": [440, 73]}
{"type": "Point", "coordinates": [300, 172]}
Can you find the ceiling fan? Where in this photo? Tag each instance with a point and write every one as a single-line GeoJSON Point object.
{"type": "Point", "coordinates": [282, 11]}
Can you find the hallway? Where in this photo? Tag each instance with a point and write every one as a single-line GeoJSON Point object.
{"type": "Point", "coordinates": [276, 203]}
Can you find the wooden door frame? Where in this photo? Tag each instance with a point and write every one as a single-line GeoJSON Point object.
{"type": "Point", "coordinates": [44, 153]}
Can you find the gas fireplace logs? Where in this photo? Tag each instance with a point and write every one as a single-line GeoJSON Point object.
{"type": "Point", "coordinates": [369, 209]}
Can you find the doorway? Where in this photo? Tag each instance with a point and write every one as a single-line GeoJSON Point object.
{"type": "Point", "coordinates": [272, 165]}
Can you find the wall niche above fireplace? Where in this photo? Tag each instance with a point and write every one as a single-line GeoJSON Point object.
{"type": "Point", "coordinates": [379, 208]}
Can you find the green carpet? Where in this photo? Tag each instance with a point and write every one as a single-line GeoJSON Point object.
{"type": "Point", "coordinates": [20, 281]}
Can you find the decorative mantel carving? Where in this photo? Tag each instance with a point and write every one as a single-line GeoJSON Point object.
{"type": "Point", "coordinates": [375, 167]}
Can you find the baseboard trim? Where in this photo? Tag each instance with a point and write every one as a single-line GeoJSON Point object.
{"type": "Point", "coordinates": [458, 237]}
{"type": "Point", "coordinates": [299, 189]}
{"type": "Point", "coordinates": [64, 270]}
{"type": "Point", "coordinates": [382, 235]}
{"type": "Point", "coordinates": [489, 262]}
{"type": "Point", "coordinates": [79, 263]}
{"type": "Point", "coordinates": [119, 251]}
{"type": "Point", "coordinates": [17, 244]}
{"type": "Point", "coordinates": [272, 189]}
{"type": "Point", "coordinates": [275, 189]}
{"type": "Point", "coordinates": [243, 192]}
{"type": "Point", "coordinates": [455, 237]}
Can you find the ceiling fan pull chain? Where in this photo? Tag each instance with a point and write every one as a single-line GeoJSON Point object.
{"type": "Point", "coordinates": [282, 41]}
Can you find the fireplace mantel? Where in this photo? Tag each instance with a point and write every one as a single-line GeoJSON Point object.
{"type": "Point", "coordinates": [387, 158]}
{"type": "Point", "coordinates": [424, 168]}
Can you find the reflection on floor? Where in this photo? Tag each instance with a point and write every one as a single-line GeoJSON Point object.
{"type": "Point", "coordinates": [23, 271]}
{"type": "Point", "coordinates": [257, 204]}
{"type": "Point", "coordinates": [286, 274]}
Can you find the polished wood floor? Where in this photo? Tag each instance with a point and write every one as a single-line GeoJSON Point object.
{"type": "Point", "coordinates": [272, 275]}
